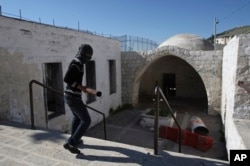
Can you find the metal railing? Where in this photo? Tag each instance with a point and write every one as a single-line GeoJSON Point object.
{"type": "Point", "coordinates": [59, 93]}
{"type": "Point", "coordinates": [158, 93]}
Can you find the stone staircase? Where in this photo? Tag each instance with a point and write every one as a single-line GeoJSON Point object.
{"type": "Point", "coordinates": [21, 146]}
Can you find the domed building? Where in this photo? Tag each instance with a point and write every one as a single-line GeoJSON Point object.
{"type": "Point", "coordinates": [183, 66]}
{"type": "Point", "coordinates": [188, 41]}
{"type": "Point", "coordinates": [194, 77]}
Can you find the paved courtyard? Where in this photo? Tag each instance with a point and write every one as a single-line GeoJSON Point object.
{"type": "Point", "coordinates": [124, 127]}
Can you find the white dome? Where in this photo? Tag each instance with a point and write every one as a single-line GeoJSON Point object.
{"type": "Point", "coordinates": [188, 41]}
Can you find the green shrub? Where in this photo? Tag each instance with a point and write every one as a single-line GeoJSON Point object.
{"type": "Point", "coordinates": [162, 112]}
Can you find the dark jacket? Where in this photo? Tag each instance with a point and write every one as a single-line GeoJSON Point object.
{"type": "Point", "coordinates": [74, 76]}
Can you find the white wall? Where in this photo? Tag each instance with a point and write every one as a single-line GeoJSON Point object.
{"type": "Point", "coordinates": [26, 46]}
{"type": "Point", "coordinates": [229, 67]}
{"type": "Point", "coordinates": [235, 101]}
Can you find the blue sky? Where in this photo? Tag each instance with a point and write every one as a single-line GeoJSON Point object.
{"type": "Point", "coordinates": [153, 19]}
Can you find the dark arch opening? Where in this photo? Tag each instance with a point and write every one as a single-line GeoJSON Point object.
{"type": "Point", "coordinates": [179, 81]}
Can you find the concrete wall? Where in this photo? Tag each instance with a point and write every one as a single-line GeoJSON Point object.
{"type": "Point", "coordinates": [242, 102]}
{"type": "Point", "coordinates": [26, 46]}
{"type": "Point", "coordinates": [229, 79]}
{"type": "Point", "coordinates": [235, 100]}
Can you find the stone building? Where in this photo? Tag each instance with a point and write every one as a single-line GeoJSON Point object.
{"type": "Point", "coordinates": [34, 51]}
{"type": "Point", "coordinates": [224, 37]}
{"type": "Point", "coordinates": [185, 66]}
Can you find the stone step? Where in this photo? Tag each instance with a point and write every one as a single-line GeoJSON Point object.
{"type": "Point", "coordinates": [22, 146]}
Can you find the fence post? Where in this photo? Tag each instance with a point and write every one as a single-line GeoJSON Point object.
{"type": "Point", "coordinates": [20, 13]}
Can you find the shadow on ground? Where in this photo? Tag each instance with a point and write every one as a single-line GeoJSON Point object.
{"type": "Point", "coordinates": [124, 127]}
{"type": "Point", "coordinates": [134, 156]}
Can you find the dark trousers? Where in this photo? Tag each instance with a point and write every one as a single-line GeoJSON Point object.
{"type": "Point", "coordinates": [81, 119]}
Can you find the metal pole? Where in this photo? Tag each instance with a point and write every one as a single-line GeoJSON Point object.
{"type": "Point", "coordinates": [172, 114]}
{"type": "Point", "coordinates": [215, 23]}
{"type": "Point", "coordinates": [20, 13]}
{"type": "Point", "coordinates": [31, 106]}
{"type": "Point", "coordinates": [156, 129]}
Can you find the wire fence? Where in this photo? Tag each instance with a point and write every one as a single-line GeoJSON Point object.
{"type": "Point", "coordinates": [135, 43]}
{"type": "Point", "coordinates": [127, 42]}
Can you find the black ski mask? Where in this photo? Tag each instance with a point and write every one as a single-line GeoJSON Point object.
{"type": "Point", "coordinates": [85, 53]}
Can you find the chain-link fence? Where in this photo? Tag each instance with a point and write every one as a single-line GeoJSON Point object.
{"type": "Point", "coordinates": [135, 43]}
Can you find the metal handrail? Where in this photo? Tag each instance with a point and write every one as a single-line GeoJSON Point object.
{"type": "Point", "coordinates": [158, 93]}
{"type": "Point", "coordinates": [61, 94]}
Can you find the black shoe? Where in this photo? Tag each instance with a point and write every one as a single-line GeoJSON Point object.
{"type": "Point", "coordinates": [71, 148]}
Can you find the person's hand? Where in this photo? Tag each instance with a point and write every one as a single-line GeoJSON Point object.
{"type": "Point", "coordinates": [98, 93]}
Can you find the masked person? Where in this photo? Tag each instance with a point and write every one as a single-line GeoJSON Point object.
{"type": "Point", "coordinates": [73, 78]}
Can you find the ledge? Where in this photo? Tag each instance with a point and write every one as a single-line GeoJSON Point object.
{"type": "Point", "coordinates": [148, 120]}
{"type": "Point", "coordinates": [243, 128]}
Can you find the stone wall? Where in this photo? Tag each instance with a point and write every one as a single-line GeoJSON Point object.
{"type": "Point", "coordinates": [235, 101]}
{"type": "Point", "coordinates": [205, 63]}
{"type": "Point", "coordinates": [24, 49]}
{"type": "Point", "coordinates": [132, 62]}
{"type": "Point", "coordinates": [242, 102]}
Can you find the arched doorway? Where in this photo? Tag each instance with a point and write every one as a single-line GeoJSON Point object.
{"type": "Point", "coordinates": [181, 84]}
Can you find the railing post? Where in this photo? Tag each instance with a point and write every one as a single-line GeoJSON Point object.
{"type": "Point", "coordinates": [158, 94]}
{"type": "Point", "coordinates": [156, 129]}
{"type": "Point", "coordinates": [172, 114]}
{"type": "Point", "coordinates": [104, 126]}
{"type": "Point", "coordinates": [104, 120]}
{"type": "Point", "coordinates": [59, 93]}
{"type": "Point", "coordinates": [31, 105]}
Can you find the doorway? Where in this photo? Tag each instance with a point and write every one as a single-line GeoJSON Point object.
{"type": "Point", "coordinates": [53, 78]}
{"type": "Point", "coordinates": [90, 80]}
{"type": "Point", "coordinates": [169, 84]}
